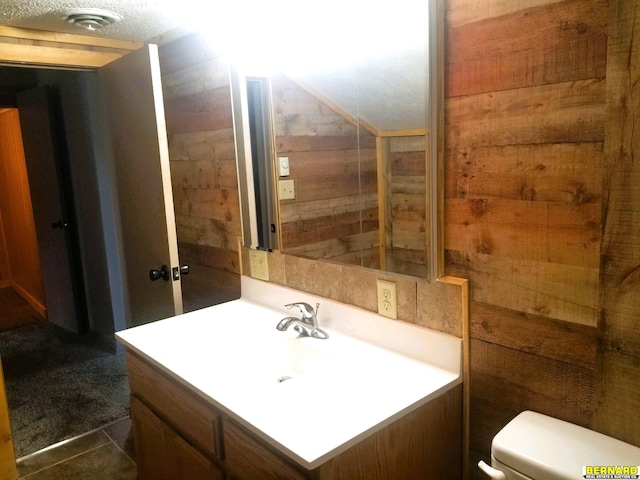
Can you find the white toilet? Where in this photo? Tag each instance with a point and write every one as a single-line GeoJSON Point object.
{"type": "Point", "coordinates": [533, 446]}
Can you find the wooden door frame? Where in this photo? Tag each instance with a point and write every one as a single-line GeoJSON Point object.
{"type": "Point", "coordinates": [8, 468]}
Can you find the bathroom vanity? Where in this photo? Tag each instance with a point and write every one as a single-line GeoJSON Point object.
{"type": "Point", "coordinates": [221, 394]}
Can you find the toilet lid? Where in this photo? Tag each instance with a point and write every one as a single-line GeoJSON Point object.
{"type": "Point", "coordinates": [543, 447]}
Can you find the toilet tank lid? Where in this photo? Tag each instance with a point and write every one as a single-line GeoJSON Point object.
{"type": "Point", "coordinates": [543, 447]}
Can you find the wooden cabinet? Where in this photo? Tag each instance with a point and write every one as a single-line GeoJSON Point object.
{"type": "Point", "coordinates": [190, 464]}
{"type": "Point", "coordinates": [196, 420]}
{"type": "Point", "coordinates": [180, 436]}
{"type": "Point", "coordinates": [162, 454]}
{"type": "Point", "coordinates": [247, 458]}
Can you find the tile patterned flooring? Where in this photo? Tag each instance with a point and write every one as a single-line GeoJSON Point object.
{"type": "Point", "coordinates": [103, 454]}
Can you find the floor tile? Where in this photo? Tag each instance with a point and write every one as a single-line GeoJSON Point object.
{"type": "Point", "coordinates": [122, 434]}
{"type": "Point", "coordinates": [107, 462]}
{"type": "Point", "coordinates": [60, 452]}
{"type": "Point", "coordinates": [119, 429]}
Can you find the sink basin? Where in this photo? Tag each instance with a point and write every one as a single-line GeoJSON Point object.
{"type": "Point", "coordinates": [370, 371]}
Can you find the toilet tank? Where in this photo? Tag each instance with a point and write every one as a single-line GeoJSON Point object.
{"type": "Point", "coordinates": [545, 448]}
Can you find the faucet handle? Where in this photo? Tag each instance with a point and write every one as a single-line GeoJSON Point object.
{"type": "Point", "coordinates": [305, 309]}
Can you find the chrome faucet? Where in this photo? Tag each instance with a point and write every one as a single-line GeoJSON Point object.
{"type": "Point", "coordinates": [307, 325]}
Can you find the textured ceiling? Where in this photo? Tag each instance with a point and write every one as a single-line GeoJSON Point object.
{"type": "Point", "coordinates": [141, 21]}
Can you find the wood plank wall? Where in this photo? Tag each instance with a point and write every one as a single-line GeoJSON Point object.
{"type": "Point", "coordinates": [406, 190]}
{"type": "Point", "coordinates": [531, 89]}
{"type": "Point", "coordinates": [617, 408]}
{"type": "Point", "coordinates": [197, 101]}
{"type": "Point", "coordinates": [24, 272]}
{"type": "Point", "coordinates": [324, 219]}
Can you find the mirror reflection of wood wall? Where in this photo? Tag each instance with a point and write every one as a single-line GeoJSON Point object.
{"type": "Point", "coordinates": [360, 196]}
{"type": "Point", "coordinates": [333, 164]}
{"type": "Point", "coordinates": [402, 196]}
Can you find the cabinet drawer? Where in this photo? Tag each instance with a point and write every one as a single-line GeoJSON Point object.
{"type": "Point", "coordinates": [193, 418]}
{"type": "Point", "coordinates": [247, 458]}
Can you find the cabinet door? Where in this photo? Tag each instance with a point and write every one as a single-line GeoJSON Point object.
{"type": "Point", "coordinates": [162, 454]}
{"type": "Point", "coordinates": [190, 464]}
{"type": "Point", "coordinates": [151, 444]}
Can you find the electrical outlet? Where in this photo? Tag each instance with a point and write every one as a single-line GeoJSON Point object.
{"type": "Point", "coordinates": [387, 299]}
{"type": "Point", "coordinates": [258, 264]}
{"type": "Point", "coordinates": [287, 189]}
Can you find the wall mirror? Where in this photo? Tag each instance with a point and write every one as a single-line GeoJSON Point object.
{"type": "Point", "coordinates": [339, 139]}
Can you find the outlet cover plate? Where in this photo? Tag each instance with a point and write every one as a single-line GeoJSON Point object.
{"type": "Point", "coordinates": [387, 299]}
{"type": "Point", "coordinates": [287, 189]}
{"type": "Point", "coordinates": [258, 264]}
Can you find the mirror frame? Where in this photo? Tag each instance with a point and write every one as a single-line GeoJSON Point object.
{"type": "Point", "coordinates": [435, 164]}
{"type": "Point", "coordinates": [434, 242]}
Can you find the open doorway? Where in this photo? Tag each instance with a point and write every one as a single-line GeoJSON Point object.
{"type": "Point", "coordinates": [59, 383]}
{"type": "Point", "coordinates": [98, 221]}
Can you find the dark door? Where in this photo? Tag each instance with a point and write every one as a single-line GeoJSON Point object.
{"type": "Point", "coordinates": [53, 222]}
{"type": "Point", "coordinates": [132, 90]}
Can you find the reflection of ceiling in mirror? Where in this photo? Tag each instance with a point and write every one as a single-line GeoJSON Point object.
{"type": "Point", "coordinates": [387, 91]}
{"type": "Point", "coordinates": [372, 50]}
{"type": "Point", "coordinates": [371, 62]}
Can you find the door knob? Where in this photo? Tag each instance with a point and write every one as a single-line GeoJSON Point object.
{"type": "Point", "coordinates": [163, 273]}
{"type": "Point", "coordinates": [184, 270]}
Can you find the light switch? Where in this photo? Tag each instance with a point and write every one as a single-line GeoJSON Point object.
{"type": "Point", "coordinates": [287, 189]}
{"type": "Point", "coordinates": [283, 166]}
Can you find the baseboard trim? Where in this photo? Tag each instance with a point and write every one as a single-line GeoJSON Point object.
{"type": "Point", "coordinates": [37, 305]}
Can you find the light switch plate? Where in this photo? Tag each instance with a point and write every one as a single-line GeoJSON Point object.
{"type": "Point", "coordinates": [258, 264]}
{"type": "Point", "coordinates": [287, 189]}
{"type": "Point", "coordinates": [283, 166]}
{"type": "Point", "coordinates": [387, 299]}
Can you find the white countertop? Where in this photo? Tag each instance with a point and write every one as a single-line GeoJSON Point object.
{"type": "Point", "coordinates": [370, 372]}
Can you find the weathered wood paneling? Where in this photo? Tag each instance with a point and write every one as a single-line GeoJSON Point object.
{"type": "Point", "coordinates": [564, 41]}
{"type": "Point", "coordinates": [516, 381]}
{"type": "Point", "coordinates": [405, 193]}
{"type": "Point", "coordinates": [199, 112]}
{"type": "Point", "coordinates": [530, 230]}
{"type": "Point", "coordinates": [524, 171]}
{"type": "Point", "coordinates": [618, 381]}
{"type": "Point", "coordinates": [333, 179]}
{"type": "Point", "coordinates": [461, 12]}
{"type": "Point", "coordinates": [202, 152]}
{"type": "Point", "coordinates": [535, 334]}
{"type": "Point", "coordinates": [557, 113]}
{"type": "Point", "coordinates": [569, 173]}
{"type": "Point", "coordinates": [552, 290]}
